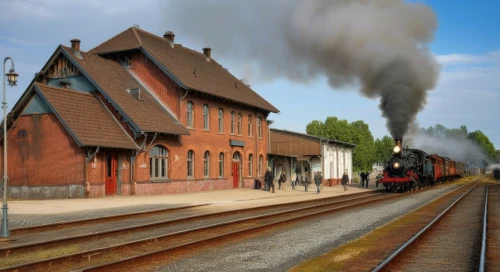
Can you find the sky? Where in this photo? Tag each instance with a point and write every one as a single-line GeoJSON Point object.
{"type": "Point", "coordinates": [466, 44]}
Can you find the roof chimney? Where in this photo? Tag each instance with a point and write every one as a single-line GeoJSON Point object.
{"type": "Point", "coordinates": [169, 35]}
{"type": "Point", "coordinates": [207, 51]}
{"type": "Point", "coordinates": [75, 45]}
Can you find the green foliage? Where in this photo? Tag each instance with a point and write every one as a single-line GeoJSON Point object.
{"type": "Point", "coordinates": [356, 132]}
{"type": "Point", "coordinates": [484, 143]}
{"type": "Point", "coordinates": [384, 149]}
{"type": "Point", "coordinates": [316, 128]}
{"type": "Point", "coordinates": [441, 132]}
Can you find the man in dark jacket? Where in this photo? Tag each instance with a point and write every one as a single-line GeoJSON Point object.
{"type": "Point", "coordinates": [362, 179]}
{"type": "Point", "coordinates": [317, 180]}
{"type": "Point", "coordinates": [282, 180]}
{"type": "Point", "coordinates": [269, 178]}
{"type": "Point", "coordinates": [306, 180]}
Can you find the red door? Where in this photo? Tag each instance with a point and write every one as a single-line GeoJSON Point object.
{"type": "Point", "coordinates": [110, 183]}
{"type": "Point", "coordinates": [236, 174]}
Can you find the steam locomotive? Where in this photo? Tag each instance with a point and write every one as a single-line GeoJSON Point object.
{"type": "Point", "coordinates": [410, 169]}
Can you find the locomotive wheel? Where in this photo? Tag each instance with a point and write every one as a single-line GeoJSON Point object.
{"type": "Point", "coordinates": [394, 188]}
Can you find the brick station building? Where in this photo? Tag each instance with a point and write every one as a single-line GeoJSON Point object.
{"type": "Point", "coordinates": [137, 114]}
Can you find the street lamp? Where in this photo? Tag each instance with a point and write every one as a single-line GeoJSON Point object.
{"type": "Point", "coordinates": [12, 79]}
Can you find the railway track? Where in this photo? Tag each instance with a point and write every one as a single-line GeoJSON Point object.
{"type": "Point", "coordinates": [118, 248]}
{"type": "Point", "coordinates": [456, 240]}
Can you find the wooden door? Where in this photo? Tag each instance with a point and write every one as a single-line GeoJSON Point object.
{"type": "Point", "coordinates": [236, 174]}
{"type": "Point", "coordinates": [111, 167]}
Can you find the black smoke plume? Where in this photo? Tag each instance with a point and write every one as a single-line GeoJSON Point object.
{"type": "Point", "coordinates": [379, 45]}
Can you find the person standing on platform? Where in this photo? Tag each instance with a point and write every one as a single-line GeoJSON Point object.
{"type": "Point", "coordinates": [362, 179]}
{"type": "Point", "coordinates": [345, 181]}
{"type": "Point", "coordinates": [317, 180]}
{"type": "Point", "coordinates": [282, 180]}
{"type": "Point", "coordinates": [295, 178]}
{"type": "Point", "coordinates": [367, 178]}
{"type": "Point", "coordinates": [269, 178]}
{"type": "Point", "coordinates": [306, 180]}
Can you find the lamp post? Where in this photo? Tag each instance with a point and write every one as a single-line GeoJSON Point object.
{"type": "Point", "coordinates": [12, 79]}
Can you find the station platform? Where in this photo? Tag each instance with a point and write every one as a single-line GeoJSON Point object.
{"type": "Point", "coordinates": [234, 197]}
{"type": "Point", "coordinates": [25, 213]}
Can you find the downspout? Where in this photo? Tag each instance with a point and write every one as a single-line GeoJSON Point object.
{"type": "Point", "coordinates": [133, 158]}
{"type": "Point", "coordinates": [85, 169]}
{"type": "Point", "coordinates": [132, 161]}
{"type": "Point", "coordinates": [180, 99]}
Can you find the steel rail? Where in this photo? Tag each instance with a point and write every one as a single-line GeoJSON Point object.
{"type": "Point", "coordinates": [416, 236]}
{"type": "Point", "coordinates": [113, 218]}
{"type": "Point", "coordinates": [163, 223]}
{"type": "Point", "coordinates": [482, 260]}
{"type": "Point", "coordinates": [50, 261]}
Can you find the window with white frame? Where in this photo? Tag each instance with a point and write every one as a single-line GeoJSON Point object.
{"type": "Point", "coordinates": [206, 164]}
{"type": "Point", "coordinates": [250, 165]}
{"type": "Point", "coordinates": [190, 163]}
{"type": "Point", "coordinates": [232, 122]}
{"type": "Point", "coordinates": [190, 114]}
{"type": "Point", "coordinates": [250, 125]}
{"type": "Point", "coordinates": [158, 162]}
{"type": "Point", "coordinates": [206, 117]}
{"type": "Point", "coordinates": [221, 164]}
{"type": "Point", "coordinates": [239, 123]}
{"type": "Point", "coordinates": [259, 125]}
{"type": "Point", "coordinates": [221, 121]}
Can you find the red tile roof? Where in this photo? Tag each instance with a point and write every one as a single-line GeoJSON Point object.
{"type": "Point", "coordinates": [86, 118]}
{"type": "Point", "coordinates": [189, 66]}
{"type": "Point", "coordinates": [115, 80]}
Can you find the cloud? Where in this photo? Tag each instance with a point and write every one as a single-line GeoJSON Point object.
{"type": "Point", "coordinates": [454, 59]}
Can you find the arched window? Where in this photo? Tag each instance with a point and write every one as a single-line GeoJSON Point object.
{"type": "Point", "coordinates": [221, 121]}
{"type": "Point", "coordinates": [190, 114]}
{"type": "Point", "coordinates": [206, 117]}
{"type": "Point", "coordinates": [239, 123]}
{"type": "Point", "coordinates": [250, 165]}
{"type": "Point", "coordinates": [206, 164]}
{"type": "Point", "coordinates": [261, 160]}
{"type": "Point", "coordinates": [232, 122]}
{"type": "Point", "coordinates": [221, 164]}
{"type": "Point", "coordinates": [190, 161]}
{"type": "Point", "coordinates": [250, 125]}
{"type": "Point", "coordinates": [259, 126]}
{"type": "Point", "coordinates": [158, 162]}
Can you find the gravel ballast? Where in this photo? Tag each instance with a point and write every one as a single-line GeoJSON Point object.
{"type": "Point", "coordinates": [288, 246]}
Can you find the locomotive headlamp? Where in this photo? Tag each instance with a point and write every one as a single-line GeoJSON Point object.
{"type": "Point", "coordinates": [397, 149]}
{"type": "Point", "coordinates": [396, 165]}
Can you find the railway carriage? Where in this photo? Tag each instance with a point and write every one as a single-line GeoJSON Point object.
{"type": "Point", "coordinates": [413, 168]}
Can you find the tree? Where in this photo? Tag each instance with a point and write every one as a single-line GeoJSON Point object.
{"type": "Point", "coordinates": [316, 128]}
{"type": "Point", "coordinates": [384, 149]}
{"type": "Point", "coordinates": [484, 142]}
{"type": "Point", "coordinates": [356, 132]}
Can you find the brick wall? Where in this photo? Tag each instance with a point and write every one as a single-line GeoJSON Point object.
{"type": "Point", "coordinates": [200, 140]}
{"type": "Point", "coordinates": [36, 142]}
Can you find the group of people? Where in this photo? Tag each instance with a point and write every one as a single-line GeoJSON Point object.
{"type": "Point", "coordinates": [269, 181]}
{"type": "Point", "coordinates": [364, 178]}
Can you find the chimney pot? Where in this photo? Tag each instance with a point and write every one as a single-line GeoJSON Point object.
{"type": "Point", "coordinates": [169, 35]}
{"type": "Point", "coordinates": [75, 45]}
{"type": "Point", "coordinates": [207, 51]}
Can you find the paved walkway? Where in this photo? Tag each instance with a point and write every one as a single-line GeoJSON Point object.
{"type": "Point", "coordinates": [234, 197]}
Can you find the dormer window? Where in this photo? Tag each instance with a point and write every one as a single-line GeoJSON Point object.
{"type": "Point", "coordinates": [127, 62]}
{"type": "Point", "coordinates": [135, 93]}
